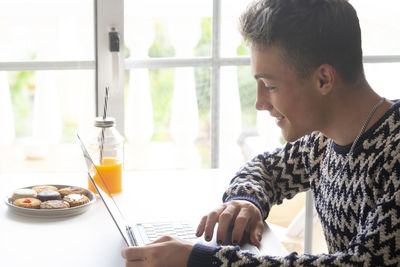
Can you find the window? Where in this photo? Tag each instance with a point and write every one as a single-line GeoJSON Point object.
{"type": "Point", "coordinates": [185, 72]}
{"type": "Point", "coordinates": [380, 39]}
{"type": "Point", "coordinates": [46, 81]}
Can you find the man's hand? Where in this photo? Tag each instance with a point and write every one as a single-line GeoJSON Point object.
{"type": "Point", "coordinates": [244, 215]}
{"type": "Point", "coordinates": [166, 251]}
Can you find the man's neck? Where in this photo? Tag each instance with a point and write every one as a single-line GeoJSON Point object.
{"type": "Point", "coordinates": [348, 110]}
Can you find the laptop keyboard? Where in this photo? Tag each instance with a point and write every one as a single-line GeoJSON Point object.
{"type": "Point", "coordinates": [153, 231]}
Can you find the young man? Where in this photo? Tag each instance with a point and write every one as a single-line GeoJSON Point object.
{"type": "Point", "coordinates": [343, 145]}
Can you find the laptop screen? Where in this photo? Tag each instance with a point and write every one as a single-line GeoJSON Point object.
{"type": "Point", "coordinates": [107, 199]}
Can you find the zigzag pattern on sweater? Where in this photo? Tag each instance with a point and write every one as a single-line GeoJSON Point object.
{"type": "Point", "coordinates": [358, 201]}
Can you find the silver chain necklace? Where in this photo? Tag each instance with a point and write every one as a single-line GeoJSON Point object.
{"type": "Point", "coordinates": [364, 126]}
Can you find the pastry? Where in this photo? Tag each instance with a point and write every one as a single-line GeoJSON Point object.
{"type": "Point", "coordinates": [24, 193]}
{"type": "Point", "coordinates": [76, 199]}
{"type": "Point", "coordinates": [28, 202]}
{"type": "Point", "coordinates": [54, 204]}
{"type": "Point", "coordinates": [72, 190]}
{"type": "Point", "coordinates": [49, 195]}
{"type": "Point", "coordinates": [41, 188]}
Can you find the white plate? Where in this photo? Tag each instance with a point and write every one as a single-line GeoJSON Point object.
{"type": "Point", "coordinates": [51, 213]}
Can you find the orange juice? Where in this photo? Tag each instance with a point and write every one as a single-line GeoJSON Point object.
{"type": "Point", "coordinates": [110, 170]}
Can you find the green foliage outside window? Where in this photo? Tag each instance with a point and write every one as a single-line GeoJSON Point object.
{"type": "Point", "coordinates": [22, 92]}
{"type": "Point", "coordinates": [161, 84]}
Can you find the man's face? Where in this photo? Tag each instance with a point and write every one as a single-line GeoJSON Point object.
{"type": "Point", "coordinates": [293, 101]}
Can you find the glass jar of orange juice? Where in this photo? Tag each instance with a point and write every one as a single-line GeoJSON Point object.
{"type": "Point", "coordinates": [107, 151]}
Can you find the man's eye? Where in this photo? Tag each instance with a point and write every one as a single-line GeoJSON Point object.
{"type": "Point", "coordinates": [266, 86]}
{"type": "Point", "coordinates": [269, 88]}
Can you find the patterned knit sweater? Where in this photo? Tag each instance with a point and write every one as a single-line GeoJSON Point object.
{"type": "Point", "coordinates": [358, 202]}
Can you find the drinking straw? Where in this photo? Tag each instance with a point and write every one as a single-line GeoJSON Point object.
{"type": "Point", "coordinates": [102, 129]}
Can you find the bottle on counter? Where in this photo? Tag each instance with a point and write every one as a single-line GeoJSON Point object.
{"type": "Point", "coordinates": [106, 148]}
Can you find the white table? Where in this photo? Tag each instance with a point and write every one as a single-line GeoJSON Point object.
{"type": "Point", "coordinates": [91, 239]}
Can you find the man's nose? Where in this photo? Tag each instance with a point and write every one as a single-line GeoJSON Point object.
{"type": "Point", "coordinates": [262, 101]}
{"type": "Point", "coordinates": [263, 106]}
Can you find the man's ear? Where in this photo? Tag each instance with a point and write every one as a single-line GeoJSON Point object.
{"type": "Point", "coordinates": [324, 77]}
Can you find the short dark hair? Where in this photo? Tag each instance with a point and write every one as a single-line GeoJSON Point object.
{"type": "Point", "coordinates": [311, 33]}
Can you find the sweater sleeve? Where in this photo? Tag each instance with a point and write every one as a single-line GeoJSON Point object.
{"type": "Point", "coordinates": [271, 177]}
{"type": "Point", "coordinates": [376, 243]}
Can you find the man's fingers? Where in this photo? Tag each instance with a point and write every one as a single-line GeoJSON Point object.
{"type": "Point", "coordinates": [224, 221]}
{"type": "Point", "coordinates": [134, 254]}
{"type": "Point", "coordinates": [210, 224]}
{"type": "Point", "coordinates": [242, 219]}
{"type": "Point", "coordinates": [243, 214]}
{"type": "Point", "coordinates": [212, 219]}
{"type": "Point", "coordinates": [201, 227]}
{"type": "Point", "coordinates": [256, 234]}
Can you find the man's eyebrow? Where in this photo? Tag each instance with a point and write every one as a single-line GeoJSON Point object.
{"type": "Point", "coordinates": [264, 76]}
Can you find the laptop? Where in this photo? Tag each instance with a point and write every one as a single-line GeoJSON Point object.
{"type": "Point", "coordinates": [140, 234]}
